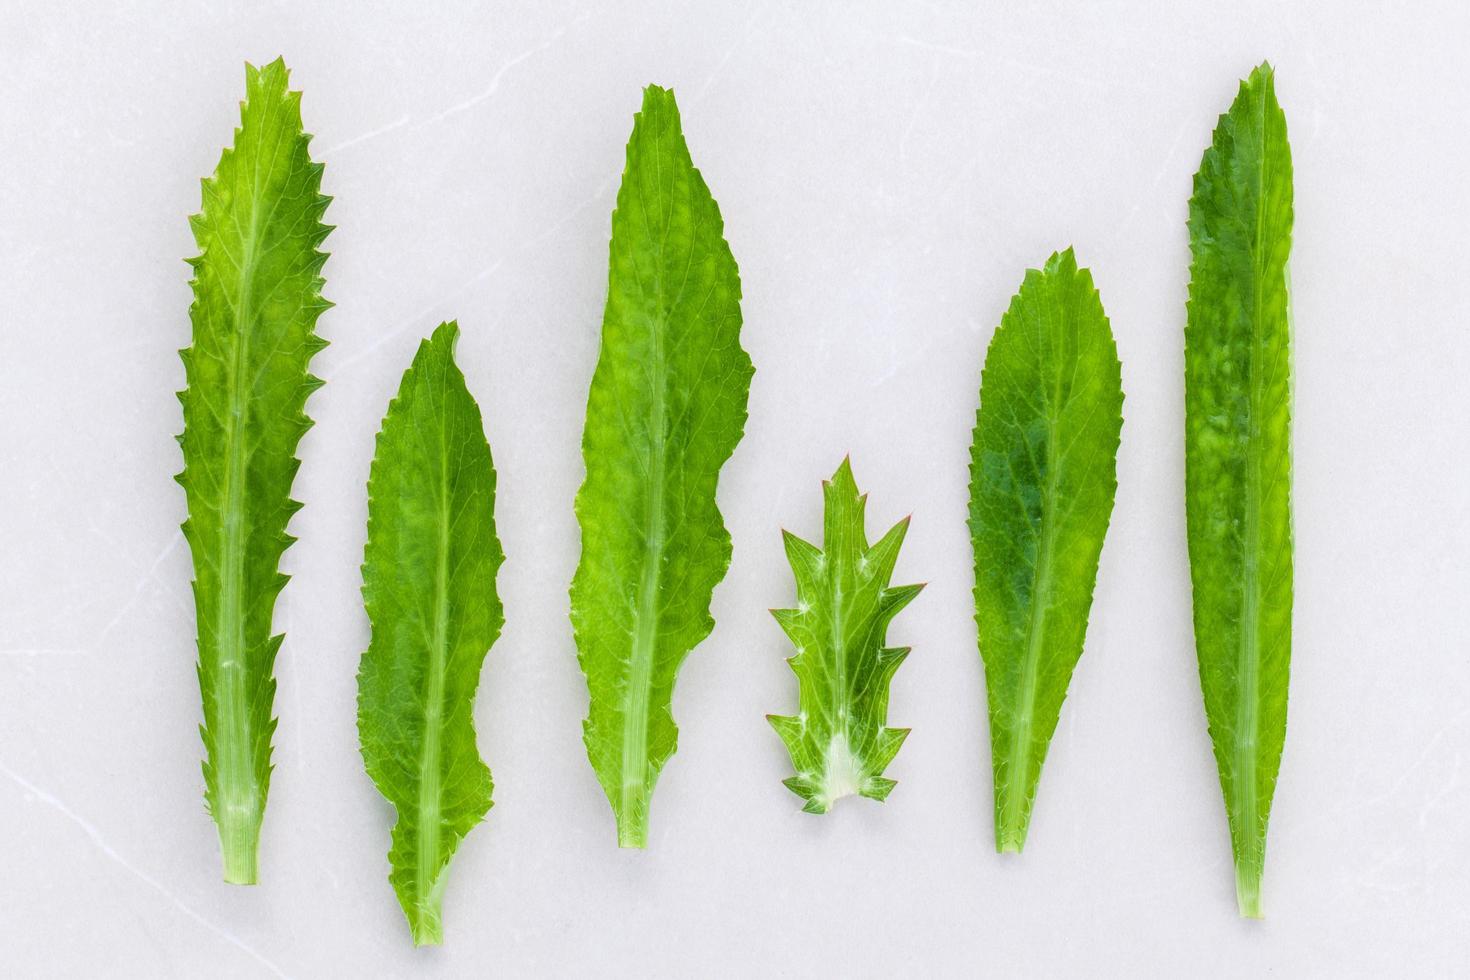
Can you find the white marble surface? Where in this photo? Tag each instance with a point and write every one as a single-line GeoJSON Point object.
{"type": "Point", "coordinates": [886, 171]}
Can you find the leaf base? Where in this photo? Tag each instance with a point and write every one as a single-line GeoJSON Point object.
{"type": "Point", "coordinates": [239, 849]}
{"type": "Point", "coordinates": [427, 927]}
{"type": "Point", "coordinates": [1248, 891]}
{"type": "Point", "coordinates": [633, 831]}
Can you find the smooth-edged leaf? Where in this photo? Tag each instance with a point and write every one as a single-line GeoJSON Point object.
{"type": "Point", "coordinates": [1043, 471]}
{"type": "Point", "coordinates": [666, 408]}
{"type": "Point", "coordinates": [1237, 379]}
{"type": "Point", "coordinates": [840, 741]}
{"type": "Point", "coordinates": [257, 296]}
{"type": "Point", "coordinates": [428, 580]}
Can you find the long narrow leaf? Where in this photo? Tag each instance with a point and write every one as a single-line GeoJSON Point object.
{"type": "Point", "coordinates": [1043, 471]}
{"type": "Point", "coordinates": [428, 579]}
{"type": "Point", "coordinates": [1237, 376]}
{"type": "Point", "coordinates": [666, 409]}
{"type": "Point", "coordinates": [257, 296]}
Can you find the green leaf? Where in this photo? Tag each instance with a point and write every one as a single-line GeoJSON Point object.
{"type": "Point", "coordinates": [428, 579]}
{"type": "Point", "coordinates": [1043, 471]}
{"type": "Point", "coordinates": [840, 742]}
{"type": "Point", "coordinates": [257, 296]}
{"type": "Point", "coordinates": [666, 409]}
{"type": "Point", "coordinates": [1237, 380]}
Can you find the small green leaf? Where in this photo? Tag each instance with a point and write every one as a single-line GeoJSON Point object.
{"type": "Point", "coordinates": [666, 409]}
{"type": "Point", "coordinates": [840, 742]}
{"type": "Point", "coordinates": [257, 296]}
{"type": "Point", "coordinates": [1237, 381]}
{"type": "Point", "coordinates": [1043, 471]}
{"type": "Point", "coordinates": [428, 579]}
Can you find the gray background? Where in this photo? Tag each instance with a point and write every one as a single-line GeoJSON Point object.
{"type": "Point", "coordinates": [887, 172]}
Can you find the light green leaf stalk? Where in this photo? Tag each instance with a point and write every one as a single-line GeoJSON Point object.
{"type": "Point", "coordinates": [840, 742]}
{"type": "Point", "coordinates": [257, 296]}
{"type": "Point", "coordinates": [1237, 379]}
{"type": "Point", "coordinates": [428, 579]}
{"type": "Point", "coordinates": [666, 409]}
{"type": "Point", "coordinates": [1043, 471]}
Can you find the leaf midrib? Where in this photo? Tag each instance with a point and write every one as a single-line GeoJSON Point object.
{"type": "Point", "coordinates": [1018, 769]}
{"type": "Point", "coordinates": [237, 788]}
{"type": "Point", "coordinates": [430, 786]}
{"type": "Point", "coordinates": [640, 679]}
{"type": "Point", "coordinates": [1247, 708]}
{"type": "Point", "coordinates": [640, 666]}
{"type": "Point", "coordinates": [840, 693]}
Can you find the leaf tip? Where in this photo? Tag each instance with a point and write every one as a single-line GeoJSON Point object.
{"type": "Point", "coordinates": [843, 478]}
{"type": "Point", "coordinates": [445, 336]}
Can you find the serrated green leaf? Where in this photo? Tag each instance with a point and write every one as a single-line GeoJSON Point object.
{"type": "Point", "coordinates": [257, 296]}
{"type": "Point", "coordinates": [428, 580]}
{"type": "Point", "coordinates": [666, 409]}
{"type": "Point", "coordinates": [1043, 471]}
{"type": "Point", "coordinates": [839, 741]}
{"type": "Point", "coordinates": [1237, 378]}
